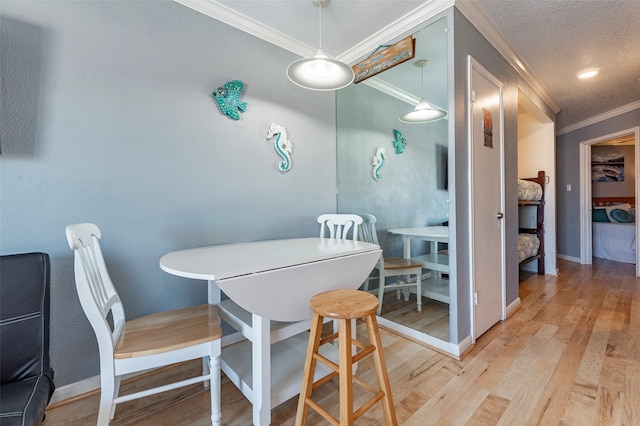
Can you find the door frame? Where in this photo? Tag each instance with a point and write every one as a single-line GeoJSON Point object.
{"type": "Point", "coordinates": [472, 65]}
{"type": "Point", "coordinates": [586, 238]}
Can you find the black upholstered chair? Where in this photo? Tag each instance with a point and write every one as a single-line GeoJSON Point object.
{"type": "Point", "coordinates": [27, 377]}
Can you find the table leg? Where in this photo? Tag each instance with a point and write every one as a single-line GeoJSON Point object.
{"type": "Point", "coordinates": [434, 250]}
{"type": "Point", "coordinates": [406, 246]}
{"type": "Point", "coordinates": [214, 298]}
{"type": "Point", "coordinates": [214, 293]}
{"type": "Point", "coordinates": [261, 370]}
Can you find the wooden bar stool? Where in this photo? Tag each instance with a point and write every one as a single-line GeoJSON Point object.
{"type": "Point", "coordinates": [344, 306]}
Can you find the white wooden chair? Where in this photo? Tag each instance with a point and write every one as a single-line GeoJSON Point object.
{"type": "Point", "coordinates": [144, 343]}
{"type": "Point", "coordinates": [339, 225]}
{"type": "Point", "coordinates": [391, 267]}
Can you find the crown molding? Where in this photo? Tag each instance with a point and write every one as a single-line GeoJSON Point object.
{"type": "Point", "coordinates": [479, 20]}
{"type": "Point", "coordinates": [392, 31]}
{"type": "Point", "coordinates": [249, 25]}
{"type": "Point", "coordinates": [598, 118]}
{"type": "Point", "coordinates": [391, 90]}
{"type": "Point", "coordinates": [258, 29]}
{"type": "Point", "coordinates": [397, 28]}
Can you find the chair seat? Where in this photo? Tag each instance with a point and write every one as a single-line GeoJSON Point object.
{"type": "Point", "coordinates": [167, 331]}
{"type": "Point", "coordinates": [392, 263]}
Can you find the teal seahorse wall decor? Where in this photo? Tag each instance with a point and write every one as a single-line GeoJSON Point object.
{"type": "Point", "coordinates": [399, 143]}
{"type": "Point", "coordinates": [228, 97]}
{"type": "Point", "coordinates": [378, 162]}
{"type": "Point", "coordinates": [281, 144]}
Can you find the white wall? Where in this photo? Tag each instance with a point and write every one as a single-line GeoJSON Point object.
{"type": "Point", "coordinates": [107, 118]}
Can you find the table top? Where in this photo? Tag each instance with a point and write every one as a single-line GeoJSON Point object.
{"type": "Point", "coordinates": [430, 233]}
{"type": "Point", "coordinates": [275, 279]}
{"type": "Point", "coordinates": [232, 260]}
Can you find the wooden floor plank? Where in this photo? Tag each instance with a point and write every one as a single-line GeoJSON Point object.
{"type": "Point", "coordinates": [632, 394]}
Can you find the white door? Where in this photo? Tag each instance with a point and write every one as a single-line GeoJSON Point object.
{"type": "Point", "coordinates": [487, 199]}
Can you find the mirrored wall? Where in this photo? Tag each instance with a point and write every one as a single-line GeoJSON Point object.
{"type": "Point", "coordinates": [404, 188]}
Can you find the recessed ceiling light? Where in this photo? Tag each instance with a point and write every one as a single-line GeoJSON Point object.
{"type": "Point", "coordinates": [588, 73]}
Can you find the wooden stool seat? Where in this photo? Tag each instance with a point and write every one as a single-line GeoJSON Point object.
{"type": "Point", "coordinates": [344, 306]}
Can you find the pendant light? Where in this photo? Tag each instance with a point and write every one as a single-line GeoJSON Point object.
{"type": "Point", "coordinates": [320, 72]}
{"type": "Point", "coordinates": [424, 112]}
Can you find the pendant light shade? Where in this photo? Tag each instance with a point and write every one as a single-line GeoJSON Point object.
{"type": "Point", "coordinates": [424, 112]}
{"type": "Point", "coordinates": [320, 72]}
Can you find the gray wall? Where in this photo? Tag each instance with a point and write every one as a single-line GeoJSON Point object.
{"type": "Point", "coordinates": [107, 118]}
{"type": "Point", "coordinates": [568, 171]}
{"type": "Point", "coordinates": [469, 41]}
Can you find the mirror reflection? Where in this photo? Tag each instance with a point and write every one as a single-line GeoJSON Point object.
{"type": "Point", "coordinates": [397, 173]}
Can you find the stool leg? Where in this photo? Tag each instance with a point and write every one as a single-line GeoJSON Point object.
{"type": "Point", "coordinates": [381, 371]}
{"type": "Point", "coordinates": [309, 369]}
{"type": "Point", "coordinates": [346, 372]}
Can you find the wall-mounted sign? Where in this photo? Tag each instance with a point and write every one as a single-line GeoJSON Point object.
{"type": "Point", "coordinates": [384, 58]}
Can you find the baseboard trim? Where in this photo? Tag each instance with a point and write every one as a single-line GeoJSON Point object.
{"type": "Point", "coordinates": [73, 390]}
{"type": "Point", "coordinates": [568, 258]}
{"type": "Point", "coordinates": [513, 306]}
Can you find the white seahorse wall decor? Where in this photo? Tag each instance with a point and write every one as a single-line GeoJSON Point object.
{"type": "Point", "coordinates": [378, 162]}
{"type": "Point", "coordinates": [281, 144]}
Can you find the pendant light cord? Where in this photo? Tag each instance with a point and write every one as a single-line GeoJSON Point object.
{"type": "Point", "coordinates": [320, 23]}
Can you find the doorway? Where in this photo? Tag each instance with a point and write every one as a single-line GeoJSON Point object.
{"type": "Point", "coordinates": [586, 240]}
{"type": "Point", "coordinates": [487, 198]}
{"type": "Point", "coordinates": [537, 151]}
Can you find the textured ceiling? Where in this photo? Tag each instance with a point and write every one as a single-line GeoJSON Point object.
{"type": "Point", "coordinates": [555, 38]}
{"type": "Point", "coordinates": [558, 38]}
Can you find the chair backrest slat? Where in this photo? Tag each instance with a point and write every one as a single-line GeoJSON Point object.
{"type": "Point", "coordinates": [339, 226]}
{"type": "Point", "coordinates": [368, 228]}
{"type": "Point", "coordinates": [96, 291]}
{"type": "Point", "coordinates": [95, 279]}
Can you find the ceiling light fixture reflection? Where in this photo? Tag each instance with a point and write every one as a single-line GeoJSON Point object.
{"type": "Point", "coordinates": [591, 72]}
{"type": "Point", "coordinates": [320, 72]}
{"type": "Point", "coordinates": [424, 112]}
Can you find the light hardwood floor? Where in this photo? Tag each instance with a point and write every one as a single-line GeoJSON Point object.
{"type": "Point", "coordinates": [433, 318]}
{"type": "Point", "coordinates": [569, 356]}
